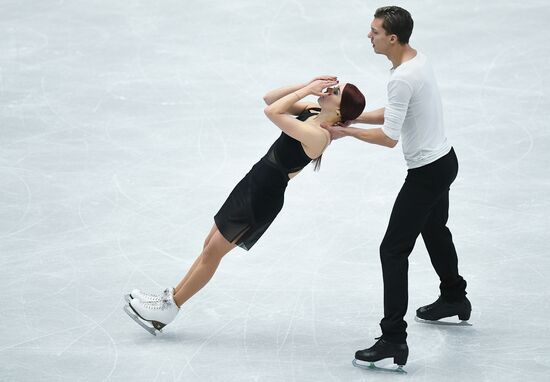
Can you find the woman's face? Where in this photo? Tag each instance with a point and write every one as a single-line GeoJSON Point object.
{"type": "Point", "coordinates": [331, 98]}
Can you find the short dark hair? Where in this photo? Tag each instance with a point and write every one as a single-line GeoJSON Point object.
{"type": "Point", "coordinates": [397, 21]}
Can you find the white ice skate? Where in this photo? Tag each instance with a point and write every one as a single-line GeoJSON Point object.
{"type": "Point", "coordinates": [147, 297]}
{"type": "Point", "coordinates": [157, 313]}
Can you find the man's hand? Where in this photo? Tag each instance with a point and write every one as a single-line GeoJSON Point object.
{"type": "Point", "coordinates": [337, 130]}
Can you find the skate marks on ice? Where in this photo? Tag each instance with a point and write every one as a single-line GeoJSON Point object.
{"type": "Point", "coordinates": [442, 323]}
{"type": "Point", "coordinates": [382, 369]}
{"type": "Point", "coordinates": [134, 316]}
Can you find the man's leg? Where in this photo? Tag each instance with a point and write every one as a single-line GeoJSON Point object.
{"type": "Point", "coordinates": [409, 214]}
{"type": "Point", "coordinates": [410, 211]}
{"type": "Point", "coordinates": [439, 243]}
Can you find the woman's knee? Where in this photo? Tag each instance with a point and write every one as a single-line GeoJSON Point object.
{"type": "Point", "coordinates": [216, 248]}
{"type": "Point", "coordinates": [207, 240]}
{"type": "Point", "coordinates": [210, 256]}
{"type": "Point", "coordinates": [209, 236]}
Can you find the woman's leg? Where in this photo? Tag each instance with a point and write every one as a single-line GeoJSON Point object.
{"type": "Point", "coordinates": [204, 267]}
{"type": "Point", "coordinates": [190, 271]}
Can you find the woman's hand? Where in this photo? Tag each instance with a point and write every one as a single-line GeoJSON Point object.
{"type": "Point", "coordinates": [316, 86]}
{"type": "Point", "coordinates": [324, 78]}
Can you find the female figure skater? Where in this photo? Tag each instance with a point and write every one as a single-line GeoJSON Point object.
{"type": "Point", "coordinates": [258, 197]}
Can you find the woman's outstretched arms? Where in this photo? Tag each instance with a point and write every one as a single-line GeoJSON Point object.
{"type": "Point", "coordinates": [277, 112]}
{"type": "Point", "coordinates": [297, 107]}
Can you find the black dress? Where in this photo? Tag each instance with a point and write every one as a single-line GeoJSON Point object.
{"type": "Point", "coordinates": [257, 199]}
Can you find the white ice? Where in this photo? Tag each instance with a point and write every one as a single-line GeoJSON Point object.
{"type": "Point", "coordinates": [125, 124]}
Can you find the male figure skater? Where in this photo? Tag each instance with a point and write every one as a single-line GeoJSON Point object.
{"type": "Point", "coordinates": [413, 114]}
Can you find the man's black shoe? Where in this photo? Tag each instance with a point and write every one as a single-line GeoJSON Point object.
{"type": "Point", "coordinates": [442, 308]}
{"type": "Point", "coordinates": [384, 349]}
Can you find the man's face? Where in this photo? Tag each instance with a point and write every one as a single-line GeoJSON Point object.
{"type": "Point", "coordinates": [378, 37]}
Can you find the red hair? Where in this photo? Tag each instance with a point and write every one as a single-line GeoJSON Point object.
{"type": "Point", "coordinates": [352, 103]}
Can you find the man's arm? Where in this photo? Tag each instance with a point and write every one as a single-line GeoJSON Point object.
{"type": "Point", "coordinates": [374, 117]}
{"type": "Point", "coordinates": [392, 117]}
{"type": "Point", "coordinates": [375, 135]}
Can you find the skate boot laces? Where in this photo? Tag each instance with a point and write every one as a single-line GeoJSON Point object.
{"type": "Point", "coordinates": [162, 304]}
{"type": "Point", "coordinates": [166, 302]}
{"type": "Point", "coordinates": [165, 294]}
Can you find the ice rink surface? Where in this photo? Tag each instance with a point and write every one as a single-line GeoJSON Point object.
{"type": "Point", "coordinates": [125, 124]}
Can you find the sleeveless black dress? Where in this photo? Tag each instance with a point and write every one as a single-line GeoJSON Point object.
{"type": "Point", "coordinates": [258, 198]}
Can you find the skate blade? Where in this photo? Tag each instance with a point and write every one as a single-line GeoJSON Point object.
{"type": "Point", "coordinates": [372, 367]}
{"type": "Point", "coordinates": [442, 323]}
{"type": "Point", "coordinates": [137, 319]}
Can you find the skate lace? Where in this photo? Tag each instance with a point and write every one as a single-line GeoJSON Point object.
{"type": "Point", "coordinates": [155, 297]}
{"type": "Point", "coordinates": [152, 296]}
{"type": "Point", "coordinates": [162, 304]}
{"type": "Point", "coordinates": [165, 303]}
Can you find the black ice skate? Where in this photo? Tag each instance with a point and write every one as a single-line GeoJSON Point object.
{"type": "Point", "coordinates": [442, 309]}
{"type": "Point", "coordinates": [380, 350]}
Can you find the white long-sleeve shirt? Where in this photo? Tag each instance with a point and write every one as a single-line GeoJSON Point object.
{"type": "Point", "coordinates": [413, 113]}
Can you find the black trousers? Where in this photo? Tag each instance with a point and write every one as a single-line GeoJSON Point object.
{"type": "Point", "coordinates": [421, 207]}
